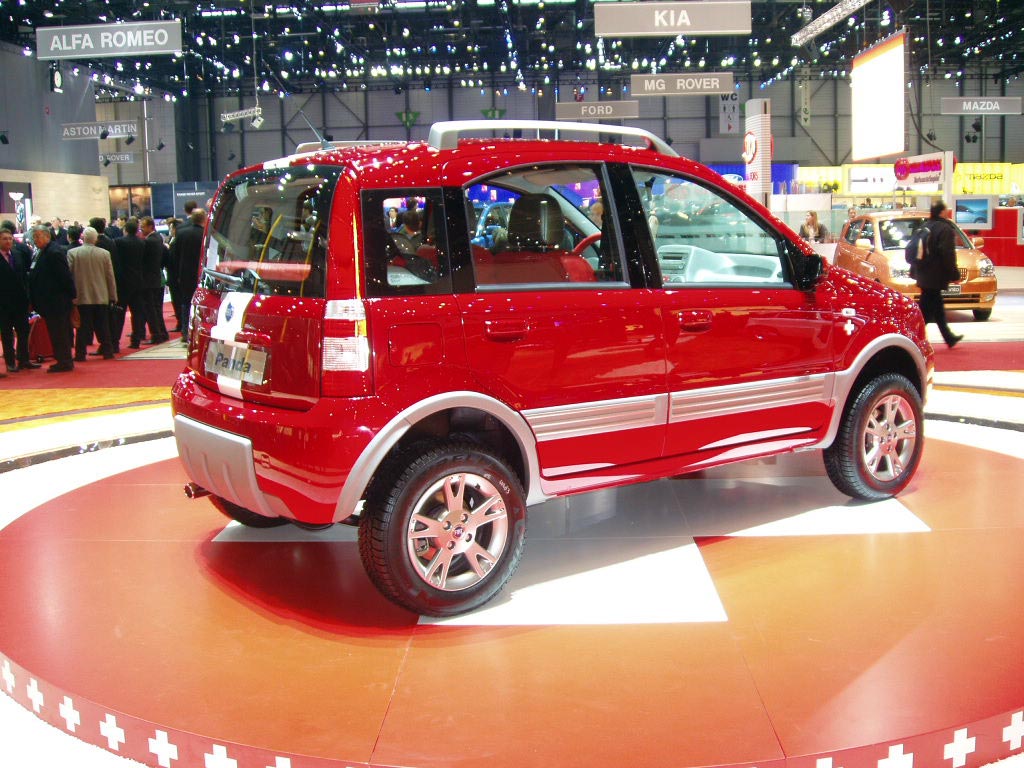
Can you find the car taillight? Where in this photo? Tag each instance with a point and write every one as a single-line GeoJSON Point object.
{"type": "Point", "coordinates": [346, 350]}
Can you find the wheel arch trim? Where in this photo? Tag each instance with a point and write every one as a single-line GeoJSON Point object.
{"type": "Point", "coordinates": [392, 433]}
{"type": "Point", "coordinates": [845, 379]}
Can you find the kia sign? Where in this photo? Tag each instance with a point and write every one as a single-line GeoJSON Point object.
{"type": "Point", "coordinates": [656, 19]}
{"type": "Point", "coordinates": [681, 84]}
{"type": "Point", "coordinates": [115, 130]}
{"type": "Point", "coordinates": [597, 110]}
{"type": "Point", "coordinates": [93, 41]}
{"type": "Point", "coordinates": [981, 105]}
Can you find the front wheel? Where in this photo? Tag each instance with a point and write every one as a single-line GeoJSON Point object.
{"type": "Point", "coordinates": [982, 315]}
{"type": "Point", "coordinates": [880, 439]}
{"type": "Point", "coordinates": [444, 528]}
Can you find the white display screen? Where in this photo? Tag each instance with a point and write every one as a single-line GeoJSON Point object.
{"type": "Point", "coordinates": [878, 79]}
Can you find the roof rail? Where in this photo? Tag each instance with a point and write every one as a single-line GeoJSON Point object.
{"type": "Point", "coordinates": [316, 146]}
{"type": "Point", "coordinates": [445, 135]}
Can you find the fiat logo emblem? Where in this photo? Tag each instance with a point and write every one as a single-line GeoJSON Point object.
{"type": "Point", "coordinates": [229, 312]}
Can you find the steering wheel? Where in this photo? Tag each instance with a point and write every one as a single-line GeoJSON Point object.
{"type": "Point", "coordinates": [585, 243]}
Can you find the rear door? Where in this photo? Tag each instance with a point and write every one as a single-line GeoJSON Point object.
{"type": "Point", "coordinates": [555, 329]}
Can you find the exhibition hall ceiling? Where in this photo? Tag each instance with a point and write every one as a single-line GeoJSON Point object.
{"type": "Point", "coordinates": [279, 47]}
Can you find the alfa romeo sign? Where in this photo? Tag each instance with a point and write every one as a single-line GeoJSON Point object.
{"type": "Point", "coordinates": [92, 41]}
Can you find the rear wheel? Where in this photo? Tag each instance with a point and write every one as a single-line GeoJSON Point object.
{"type": "Point", "coordinates": [246, 516]}
{"type": "Point", "coordinates": [444, 528]}
{"type": "Point", "coordinates": [880, 439]}
{"type": "Point", "coordinates": [982, 314]}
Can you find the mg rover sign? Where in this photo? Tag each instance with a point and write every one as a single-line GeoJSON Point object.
{"type": "Point", "coordinates": [657, 19]}
{"type": "Point", "coordinates": [688, 84]}
{"type": "Point", "coordinates": [597, 110]}
{"type": "Point", "coordinates": [92, 41]}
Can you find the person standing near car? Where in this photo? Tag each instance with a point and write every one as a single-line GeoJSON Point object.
{"type": "Point", "coordinates": [15, 262]}
{"type": "Point", "coordinates": [52, 289]}
{"type": "Point", "coordinates": [153, 279]}
{"type": "Point", "coordinates": [189, 245]}
{"type": "Point", "coordinates": [936, 270]}
{"type": "Point", "coordinates": [93, 271]}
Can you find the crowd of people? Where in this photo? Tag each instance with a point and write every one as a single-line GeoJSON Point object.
{"type": "Point", "coordinates": [68, 288]}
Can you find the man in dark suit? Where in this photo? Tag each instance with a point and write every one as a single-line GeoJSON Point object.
{"type": "Point", "coordinates": [116, 310]}
{"type": "Point", "coordinates": [15, 262]}
{"type": "Point", "coordinates": [152, 280]}
{"type": "Point", "coordinates": [189, 245]}
{"type": "Point", "coordinates": [128, 256]}
{"type": "Point", "coordinates": [52, 290]}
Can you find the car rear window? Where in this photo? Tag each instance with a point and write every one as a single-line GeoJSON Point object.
{"type": "Point", "coordinates": [269, 232]}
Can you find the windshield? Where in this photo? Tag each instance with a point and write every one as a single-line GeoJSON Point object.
{"type": "Point", "coordinates": [268, 232]}
{"type": "Point", "coordinates": [896, 233]}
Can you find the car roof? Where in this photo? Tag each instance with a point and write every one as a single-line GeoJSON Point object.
{"type": "Point", "coordinates": [451, 159]}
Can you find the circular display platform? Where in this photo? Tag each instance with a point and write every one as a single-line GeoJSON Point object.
{"type": "Point", "coordinates": [746, 616]}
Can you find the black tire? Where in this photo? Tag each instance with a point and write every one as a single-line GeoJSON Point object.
{"type": "Point", "coordinates": [880, 439]}
{"type": "Point", "coordinates": [981, 315]}
{"type": "Point", "coordinates": [246, 516]}
{"type": "Point", "coordinates": [443, 528]}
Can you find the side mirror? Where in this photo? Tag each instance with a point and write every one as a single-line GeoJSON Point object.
{"type": "Point", "coordinates": [808, 270]}
{"type": "Point", "coordinates": [863, 242]}
{"type": "Point", "coordinates": [978, 242]}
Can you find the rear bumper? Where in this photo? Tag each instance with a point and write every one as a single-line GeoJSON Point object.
{"type": "Point", "coordinates": [272, 461]}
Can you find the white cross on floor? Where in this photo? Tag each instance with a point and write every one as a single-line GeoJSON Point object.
{"type": "Point", "coordinates": [111, 732]}
{"type": "Point", "coordinates": [69, 713]}
{"type": "Point", "coordinates": [959, 748]}
{"type": "Point", "coordinates": [1013, 734]}
{"type": "Point", "coordinates": [34, 695]}
{"type": "Point", "coordinates": [8, 676]}
{"type": "Point", "coordinates": [897, 759]}
{"type": "Point", "coordinates": [163, 749]}
{"type": "Point", "coordinates": [219, 758]}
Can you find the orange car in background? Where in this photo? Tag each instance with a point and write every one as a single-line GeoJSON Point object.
{"type": "Point", "coordinates": [873, 245]}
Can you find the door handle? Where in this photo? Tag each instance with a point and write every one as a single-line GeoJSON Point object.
{"type": "Point", "coordinates": [695, 320]}
{"type": "Point", "coordinates": [505, 330]}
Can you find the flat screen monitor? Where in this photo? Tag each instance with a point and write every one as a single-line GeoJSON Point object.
{"type": "Point", "coordinates": [974, 211]}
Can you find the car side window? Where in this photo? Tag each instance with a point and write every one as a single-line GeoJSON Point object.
{"type": "Point", "coordinates": [702, 237]}
{"type": "Point", "coordinates": [867, 232]}
{"type": "Point", "coordinates": [405, 243]}
{"type": "Point", "coordinates": [543, 226]}
{"type": "Point", "coordinates": [854, 231]}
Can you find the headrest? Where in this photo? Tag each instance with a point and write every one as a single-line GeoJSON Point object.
{"type": "Point", "coordinates": [535, 222]}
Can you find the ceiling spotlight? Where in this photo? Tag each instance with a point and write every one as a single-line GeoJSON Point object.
{"type": "Point", "coordinates": [106, 161]}
{"type": "Point", "coordinates": [931, 135]}
{"type": "Point", "coordinates": [3, 138]}
{"type": "Point", "coordinates": [976, 125]}
{"type": "Point", "coordinates": [104, 133]}
{"type": "Point", "coordinates": [231, 156]}
{"type": "Point", "coordinates": [160, 145]}
{"type": "Point", "coordinates": [130, 140]}
{"type": "Point", "coordinates": [257, 122]}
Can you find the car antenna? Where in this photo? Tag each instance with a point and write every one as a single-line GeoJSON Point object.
{"type": "Point", "coordinates": [324, 143]}
{"type": "Point", "coordinates": [319, 136]}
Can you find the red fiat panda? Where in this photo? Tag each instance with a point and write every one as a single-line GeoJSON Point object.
{"type": "Point", "coordinates": [358, 354]}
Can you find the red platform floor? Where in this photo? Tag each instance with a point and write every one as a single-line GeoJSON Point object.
{"type": "Point", "coordinates": [751, 616]}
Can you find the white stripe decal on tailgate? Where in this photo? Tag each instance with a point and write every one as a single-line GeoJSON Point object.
{"type": "Point", "coordinates": [229, 322]}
